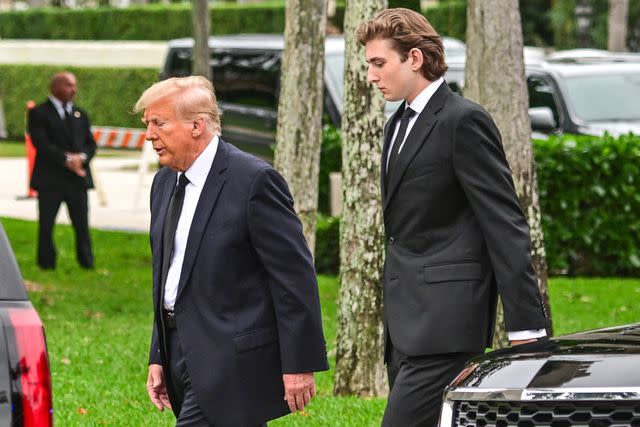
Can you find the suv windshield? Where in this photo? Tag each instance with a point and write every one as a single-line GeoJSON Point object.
{"type": "Point", "coordinates": [610, 97]}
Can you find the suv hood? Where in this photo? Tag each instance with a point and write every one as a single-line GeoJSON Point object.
{"type": "Point", "coordinates": [601, 358]}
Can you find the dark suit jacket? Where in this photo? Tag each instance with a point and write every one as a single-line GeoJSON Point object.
{"type": "Point", "coordinates": [247, 308]}
{"type": "Point", "coordinates": [51, 138]}
{"type": "Point", "coordinates": [456, 234]}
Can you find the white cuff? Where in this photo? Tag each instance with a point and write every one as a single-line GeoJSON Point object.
{"type": "Point", "coordinates": [526, 335]}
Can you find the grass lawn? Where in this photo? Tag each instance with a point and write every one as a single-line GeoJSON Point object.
{"type": "Point", "coordinates": [98, 328]}
{"type": "Point", "coordinates": [10, 148]}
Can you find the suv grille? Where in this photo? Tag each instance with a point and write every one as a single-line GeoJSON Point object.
{"type": "Point", "coordinates": [547, 414]}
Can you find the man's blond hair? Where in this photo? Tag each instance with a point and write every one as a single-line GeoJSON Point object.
{"type": "Point", "coordinates": [192, 97]}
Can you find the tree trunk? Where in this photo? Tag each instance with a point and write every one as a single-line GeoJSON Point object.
{"type": "Point", "coordinates": [299, 133]}
{"type": "Point", "coordinates": [618, 17]}
{"type": "Point", "coordinates": [494, 78]}
{"type": "Point", "coordinates": [201, 28]}
{"type": "Point", "coordinates": [359, 360]}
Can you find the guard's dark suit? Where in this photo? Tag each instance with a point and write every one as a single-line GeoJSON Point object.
{"type": "Point", "coordinates": [456, 237]}
{"type": "Point", "coordinates": [247, 308]}
{"type": "Point", "coordinates": [52, 137]}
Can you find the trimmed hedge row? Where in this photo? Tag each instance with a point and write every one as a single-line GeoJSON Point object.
{"type": "Point", "coordinates": [150, 22]}
{"type": "Point", "coordinates": [107, 94]}
{"type": "Point", "coordinates": [590, 199]}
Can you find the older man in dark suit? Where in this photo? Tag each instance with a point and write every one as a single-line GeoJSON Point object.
{"type": "Point", "coordinates": [61, 134]}
{"type": "Point", "coordinates": [457, 236]}
{"type": "Point", "coordinates": [237, 334]}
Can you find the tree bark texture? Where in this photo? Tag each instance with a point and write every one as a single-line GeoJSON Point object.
{"type": "Point", "coordinates": [201, 29]}
{"type": "Point", "coordinates": [495, 79]}
{"type": "Point", "coordinates": [299, 133]}
{"type": "Point", "coordinates": [618, 17]}
{"type": "Point", "coordinates": [359, 360]}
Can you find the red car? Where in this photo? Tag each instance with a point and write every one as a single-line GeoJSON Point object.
{"type": "Point", "coordinates": [25, 380]}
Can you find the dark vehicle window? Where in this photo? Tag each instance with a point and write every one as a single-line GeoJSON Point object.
{"type": "Point", "coordinates": [247, 78]}
{"type": "Point", "coordinates": [605, 97]}
{"type": "Point", "coordinates": [542, 94]}
{"type": "Point", "coordinates": [179, 63]}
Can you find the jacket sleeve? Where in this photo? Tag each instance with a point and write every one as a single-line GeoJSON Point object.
{"type": "Point", "coordinates": [277, 237]}
{"type": "Point", "coordinates": [154, 350]}
{"type": "Point", "coordinates": [48, 151]}
{"type": "Point", "coordinates": [89, 143]}
{"type": "Point", "coordinates": [484, 174]}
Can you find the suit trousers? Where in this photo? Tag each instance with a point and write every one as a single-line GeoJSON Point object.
{"type": "Point", "coordinates": [416, 387]}
{"type": "Point", "coordinates": [183, 399]}
{"type": "Point", "coordinates": [77, 206]}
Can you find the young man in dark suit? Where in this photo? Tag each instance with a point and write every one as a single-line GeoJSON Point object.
{"type": "Point", "coordinates": [237, 334]}
{"type": "Point", "coordinates": [456, 235]}
{"type": "Point", "coordinates": [61, 134]}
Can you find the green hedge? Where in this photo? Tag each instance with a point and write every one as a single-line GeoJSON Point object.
{"type": "Point", "coordinates": [327, 253]}
{"type": "Point", "coordinates": [107, 94]}
{"type": "Point", "coordinates": [450, 18]}
{"type": "Point", "coordinates": [150, 22]}
{"type": "Point", "coordinates": [590, 200]}
{"type": "Point", "coordinates": [589, 191]}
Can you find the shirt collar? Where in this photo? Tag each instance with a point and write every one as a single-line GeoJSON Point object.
{"type": "Point", "coordinates": [60, 105]}
{"type": "Point", "coordinates": [199, 170]}
{"type": "Point", "coordinates": [423, 97]}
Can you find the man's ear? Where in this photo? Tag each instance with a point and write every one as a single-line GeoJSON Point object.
{"type": "Point", "coordinates": [417, 59]}
{"type": "Point", "coordinates": [198, 127]}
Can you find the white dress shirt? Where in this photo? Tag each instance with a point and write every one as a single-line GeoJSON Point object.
{"type": "Point", "coordinates": [197, 175]}
{"type": "Point", "coordinates": [60, 106]}
{"type": "Point", "coordinates": [418, 104]}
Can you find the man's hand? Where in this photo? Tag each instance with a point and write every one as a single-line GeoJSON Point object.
{"type": "Point", "coordinates": [519, 342]}
{"type": "Point", "coordinates": [75, 163]}
{"type": "Point", "coordinates": [157, 388]}
{"type": "Point", "coordinates": [298, 390]}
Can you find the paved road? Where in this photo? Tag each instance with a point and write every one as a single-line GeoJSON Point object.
{"type": "Point", "coordinates": [126, 194]}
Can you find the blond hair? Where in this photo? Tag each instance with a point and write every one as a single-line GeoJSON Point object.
{"type": "Point", "coordinates": [407, 29]}
{"type": "Point", "coordinates": [192, 97]}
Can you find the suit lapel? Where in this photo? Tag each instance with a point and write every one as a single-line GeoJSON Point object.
{"type": "Point", "coordinates": [388, 134]}
{"type": "Point", "coordinates": [60, 123]}
{"type": "Point", "coordinates": [208, 198]}
{"type": "Point", "coordinates": [416, 139]}
{"type": "Point", "coordinates": [156, 232]}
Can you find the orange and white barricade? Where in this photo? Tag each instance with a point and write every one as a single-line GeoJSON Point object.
{"type": "Point", "coordinates": [113, 137]}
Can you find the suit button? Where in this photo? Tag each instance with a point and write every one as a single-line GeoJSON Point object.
{"type": "Point", "coordinates": [391, 240]}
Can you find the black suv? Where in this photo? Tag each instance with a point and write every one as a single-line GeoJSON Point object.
{"type": "Point", "coordinates": [246, 76]}
{"type": "Point", "coordinates": [25, 381]}
{"type": "Point", "coordinates": [583, 379]}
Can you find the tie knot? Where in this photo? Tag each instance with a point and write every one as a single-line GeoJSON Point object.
{"type": "Point", "coordinates": [183, 180]}
{"type": "Point", "coordinates": [408, 113]}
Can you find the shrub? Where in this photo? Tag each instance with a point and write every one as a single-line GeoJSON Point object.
{"type": "Point", "coordinates": [107, 94]}
{"type": "Point", "coordinates": [327, 254]}
{"type": "Point", "coordinates": [590, 199]}
{"type": "Point", "coordinates": [149, 22]}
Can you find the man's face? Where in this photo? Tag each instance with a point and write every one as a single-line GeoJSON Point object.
{"type": "Point", "coordinates": [393, 77]}
{"type": "Point", "coordinates": [172, 137]}
{"type": "Point", "coordinates": [65, 88]}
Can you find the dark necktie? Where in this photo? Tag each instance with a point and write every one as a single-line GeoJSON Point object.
{"type": "Point", "coordinates": [404, 123]}
{"type": "Point", "coordinates": [68, 122]}
{"type": "Point", "coordinates": [170, 225]}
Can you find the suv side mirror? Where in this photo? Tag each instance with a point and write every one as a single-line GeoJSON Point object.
{"type": "Point", "coordinates": [542, 119]}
